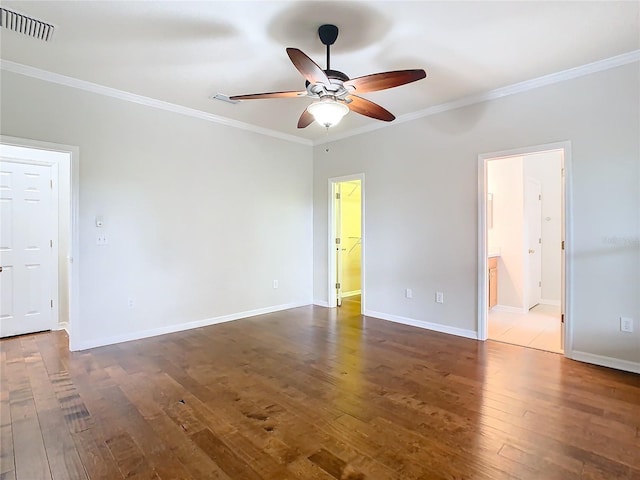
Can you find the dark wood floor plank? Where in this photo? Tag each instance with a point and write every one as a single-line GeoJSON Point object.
{"type": "Point", "coordinates": [75, 392]}
{"type": "Point", "coordinates": [130, 460]}
{"type": "Point", "coordinates": [95, 455]}
{"type": "Point", "coordinates": [136, 408]}
{"type": "Point", "coordinates": [54, 351]}
{"type": "Point", "coordinates": [274, 424]}
{"type": "Point", "coordinates": [195, 461]}
{"type": "Point", "coordinates": [328, 462]}
{"type": "Point", "coordinates": [224, 456]}
{"type": "Point", "coordinates": [76, 416]}
{"type": "Point", "coordinates": [7, 464]}
{"type": "Point", "coordinates": [314, 394]}
{"type": "Point", "coordinates": [159, 402]}
{"type": "Point", "coordinates": [64, 461]}
{"type": "Point", "coordinates": [185, 409]}
{"type": "Point", "coordinates": [9, 475]}
{"type": "Point", "coordinates": [30, 455]}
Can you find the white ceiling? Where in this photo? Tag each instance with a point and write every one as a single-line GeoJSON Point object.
{"type": "Point", "coordinates": [184, 52]}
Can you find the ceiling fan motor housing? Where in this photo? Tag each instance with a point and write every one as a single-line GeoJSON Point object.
{"type": "Point", "coordinates": [333, 75]}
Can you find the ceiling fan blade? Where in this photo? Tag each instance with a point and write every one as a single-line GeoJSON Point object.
{"type": "Point", "coordinates": [382, 81]}
{"type": "Point", "coordinates": [305, 120]}
{"type": "Point", "coordinates": [254, 96]}
{"type": "Point", "coordinates": [368, 108]}
{"type": "Point", "coordinates": [307, 67]}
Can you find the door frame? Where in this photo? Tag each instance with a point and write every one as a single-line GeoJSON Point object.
{"type": "Point", "coordinates": [69, 168]}
{"type": "Point", "coordinates": [567, 237]}
{"type": "Point", "coordinates": [331, 291]}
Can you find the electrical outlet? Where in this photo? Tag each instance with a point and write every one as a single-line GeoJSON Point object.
{"type": "Point", "coordinates": [102, 240]}
{"type": "Point", "coordinates": [626, 324]}
{"type": "Point", "coordinates": [439, 297]}
{"type": "Point", "coordinates": [408, 293]}
{"type": "Point", "coordinates": [275, 284]}
{"type": "Point", "coordinates": [131, 303]}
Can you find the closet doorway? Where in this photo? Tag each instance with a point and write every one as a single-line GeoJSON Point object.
{"type": "Point", "coordinates": [346, 242]}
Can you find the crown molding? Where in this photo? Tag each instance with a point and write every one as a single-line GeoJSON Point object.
{"type": "Point", "coordinates": [51, 77]}
{"type": "Point", "coordinates": [564, 75]}
{"type": "Point", "coordinates": [553, 78]}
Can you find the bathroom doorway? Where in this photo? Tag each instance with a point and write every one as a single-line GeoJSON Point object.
{"type": "Point", "coordinates": [523, 239]}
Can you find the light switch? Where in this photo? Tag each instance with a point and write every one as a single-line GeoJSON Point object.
{"type": "Point", "coordinates": [99, 222]}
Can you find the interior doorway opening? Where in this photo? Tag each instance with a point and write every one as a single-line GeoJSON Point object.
{"type": "Point", "coordinates": [346, 227]}
{"type": "Point", "coordinates": [60, 162]}
{"type": "Point", "coordinates": [522, 256]}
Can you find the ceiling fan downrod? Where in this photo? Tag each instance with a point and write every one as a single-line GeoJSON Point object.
{"type": "Point", "coordinates": [328, 35]}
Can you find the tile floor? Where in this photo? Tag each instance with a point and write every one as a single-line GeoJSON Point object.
{"type": "Point", "coordinates": [540, 328]}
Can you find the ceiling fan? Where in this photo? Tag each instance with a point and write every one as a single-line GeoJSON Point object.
{"type": "Point", "coordinates": [336, 92]}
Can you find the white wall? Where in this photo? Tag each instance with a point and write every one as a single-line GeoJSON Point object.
{"type": "Point", "coordinates": [421, 205]}
{"type": "Point", "coordinates": [505, 182]}
{"type": "Point", "coordinates": [200, 218]}
{"type": "Point", "coordinates": [546, 167]}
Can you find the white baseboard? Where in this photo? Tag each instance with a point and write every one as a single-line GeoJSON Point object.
{"type": "Point", "coordinates": [603, 361]}
{"type": "Point", "coordinates": [127, 337]}
{"type": "Point", "coordinates": [436, 327]}
{"type": "Point", "coordinates": [321, 303]}
{"type": "Point", "coordinates": [545, 301]}
{"type": "Point", "coordinates": [351, 294]}
{"type": "Point", "coordinates": [63, 326]}
{"type": "Point", "coordinates": [508, 309]}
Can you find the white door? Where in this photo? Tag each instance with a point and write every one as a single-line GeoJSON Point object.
{"type": "Point", "coordinates": [533, 219]}
{"type": "Point", "coordinates": [27, 227]}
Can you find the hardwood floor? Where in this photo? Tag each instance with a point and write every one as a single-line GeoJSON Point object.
{"type": "Point", "coordinates": [312, 393]}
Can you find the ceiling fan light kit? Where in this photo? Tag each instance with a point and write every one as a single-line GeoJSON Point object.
{"type": "Point", "coordinates": [328, 112]}
{"type": "Point", "coordinates": [334, 89]}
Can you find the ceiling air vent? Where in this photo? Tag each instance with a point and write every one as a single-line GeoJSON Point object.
{"type": "Point", "coordinates": [24, 24]}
